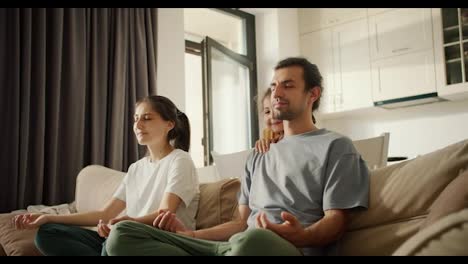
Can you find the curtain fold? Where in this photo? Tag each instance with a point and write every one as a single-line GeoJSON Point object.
{"type": "Point", "coordinates": [69, 79]}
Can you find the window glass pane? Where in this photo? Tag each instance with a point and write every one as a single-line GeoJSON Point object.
{"type": "Point", "coordinates": [223, 27]}
{"type": "Point", "coordinates": [194, 106]}
{"type": "Point", "coordinates": [464, 20]}
{"type": "Point", "coordinates": [449, 17]}
{"type": "Point", "coordinates": [230, 104]}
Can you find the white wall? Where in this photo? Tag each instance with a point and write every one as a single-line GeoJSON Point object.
{"type": "Point", "coordinates": [171, 52]}
{"type": "Point", "coordinates": [288, 37]}
{"type": "Point", "coordinates": [413, 130]}
{"type": "Point", "coordinates": [277, 37]}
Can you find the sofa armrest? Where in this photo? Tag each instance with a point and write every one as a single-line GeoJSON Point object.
{"type": "Point", "coordinates": [95, 186]}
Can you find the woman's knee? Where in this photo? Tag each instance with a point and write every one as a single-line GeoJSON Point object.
{"type": "Point", "coordinates": [48, 233]}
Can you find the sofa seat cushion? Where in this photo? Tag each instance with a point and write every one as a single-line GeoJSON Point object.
{"type": "Point", "coordinates": [406, 190]}
{"type": "Point", "coordinates": [16, 242]}
{"type": "Point", "coordinates": [454, 198]}
{"type": "Point", "coordinates": [380, 240]}
{"type": "Point", "coordinates": [218, 203]}
{"type": "Point", "coordinates": [448, 236]}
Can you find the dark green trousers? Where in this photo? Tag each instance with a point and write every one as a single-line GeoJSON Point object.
{"type": "Point", "coordinates": [132, 238]}
{"type": "Point", "coordinates": [68, 240]}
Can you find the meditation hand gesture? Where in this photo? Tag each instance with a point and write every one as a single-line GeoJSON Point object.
{"type": "Point", "coordinates": [28, 221]}
{"type": "Point", "coordinates": [291, 229]}
{"type": "Point", "coordinates": [105, 228]}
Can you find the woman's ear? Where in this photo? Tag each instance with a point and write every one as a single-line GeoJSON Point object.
{"type": "Point", "coordinates": [170, 125]}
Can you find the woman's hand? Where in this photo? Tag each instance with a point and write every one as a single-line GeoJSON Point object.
{"type": "Point", "coordinates": [114, 221]}
{"type": "Point", "coordinates": [29, 221]}
{"type": "Point", "coordinates": [105, 228]}
{"type": "Point", "coordinates": [263, 145]}
{"type": "Point", "coordinates": [166, 220]}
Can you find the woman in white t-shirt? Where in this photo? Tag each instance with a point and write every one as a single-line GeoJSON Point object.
{"type": "Point", "coordinates": [163, 183]}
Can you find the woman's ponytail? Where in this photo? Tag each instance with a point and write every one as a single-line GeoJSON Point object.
{"type": "Point", "coordinates": [182, 129]}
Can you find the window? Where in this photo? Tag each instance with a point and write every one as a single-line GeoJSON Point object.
{"type": "Point", "coordinates": [220, 47]}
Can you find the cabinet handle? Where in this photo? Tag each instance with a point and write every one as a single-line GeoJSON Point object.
{"type": "Point", "coordinates": [400, 50]}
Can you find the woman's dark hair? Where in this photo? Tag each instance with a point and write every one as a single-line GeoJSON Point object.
{"type": "Point", "coordinates": [169, 112]}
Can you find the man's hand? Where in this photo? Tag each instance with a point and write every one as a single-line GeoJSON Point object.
{"type": "Point", "coordinates": [28, 221]}
{"type": "Point", "coordinates": [290, 229]}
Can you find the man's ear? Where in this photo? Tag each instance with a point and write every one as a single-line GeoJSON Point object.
{"type": "Point", "coordinates": [314, 94]}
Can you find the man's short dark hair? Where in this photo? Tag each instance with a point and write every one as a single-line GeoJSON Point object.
{"type": "Point", "coordinates": [312, 76]}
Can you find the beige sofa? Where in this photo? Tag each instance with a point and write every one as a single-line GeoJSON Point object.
{"type": "Point", "coordinates": [417, 207]}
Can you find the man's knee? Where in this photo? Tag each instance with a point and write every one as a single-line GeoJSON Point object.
{"type": "Point", "coordinates": [258, 235]}
{"type": "Point", "coordinates": [261, 242]}
{"type": "Point", "coordinates": [118, 241]}
{"type": "Point", "coordinates": [251, 242]}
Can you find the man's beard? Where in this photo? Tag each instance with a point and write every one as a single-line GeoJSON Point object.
{"type": "Point", "coordinates": [283, 115]}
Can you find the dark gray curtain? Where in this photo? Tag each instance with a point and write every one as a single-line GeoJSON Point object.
{"type": "Point", "coordinates": [69, 79]}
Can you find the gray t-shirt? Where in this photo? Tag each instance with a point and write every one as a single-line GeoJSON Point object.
{"type": "Point", "coordinates": [305, 175]}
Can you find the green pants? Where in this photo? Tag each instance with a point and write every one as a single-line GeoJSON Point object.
{"type": "Point", "coordinates": [67, 240]}
{"type": "Point", "coordinates": [132, 238]}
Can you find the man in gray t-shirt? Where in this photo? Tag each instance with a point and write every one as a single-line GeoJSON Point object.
{"type": "Point", "coordinates": [294, 199]}
{"type": "Point", "coordinates": [305, 175]}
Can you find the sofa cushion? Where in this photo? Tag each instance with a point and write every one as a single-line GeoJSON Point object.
{"type": "Point", "coordinates": [454, 198]}
{"type": "Point", "coordinates": [2, 251]}
{"type": "Point", "coordinates": [406, 190]}
{"type": "Point", "coordinates": [218, 203]}
{"type": "Point", "coordinates": [16, 242]}
{"type": "Point", "coordinates": [381, 240]}
{"type": "Point", "coordinates": [448, 236]}
{"type": "Point", "coordinates": [231, 165]}
{"type": "Point", "coordinates": [95, 186]}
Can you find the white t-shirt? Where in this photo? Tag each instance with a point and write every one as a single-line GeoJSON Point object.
{"type": "Point", "coordinates": [143, 188]}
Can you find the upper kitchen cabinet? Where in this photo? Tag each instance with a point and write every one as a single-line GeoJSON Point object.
{"type": "Point", "coordinates": [375, 11]}
{"type": "Point", "coordinates": [451, 52]}
{"type": "Point", "coordinates": [402, 58]}
{"type": "Point", "coordinates": [342, 56]}
{"type": "Point", "coordinates": [317, 47]}
{"type": "Point", "coordinates": [400, 31]}
{"type": "Point", "coordinates": [312, 19]}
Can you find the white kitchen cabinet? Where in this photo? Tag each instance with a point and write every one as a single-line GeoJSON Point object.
{"type": "Point", "coordinates": [403, 76]}
{"type": "Point", "coordinates": [312, 19]}
{"type": "Point", "coordinates": [451, 52]}
{"type": "Point", "coordinates": [352, 66]}
{"type": "Point", "coordinates": [400, 31]}
{"type": "Point", "coordinates": [318, 48]}
{"type": "Point", "coordinates": [342, 56]}
{"type": "Point", "coordinates": [375, 11]}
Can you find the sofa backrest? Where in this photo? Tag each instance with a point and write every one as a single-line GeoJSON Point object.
{"type": "Point", "coordinates": [400, 198]}
{"type": "Point", "coordinates": [95, 186]}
